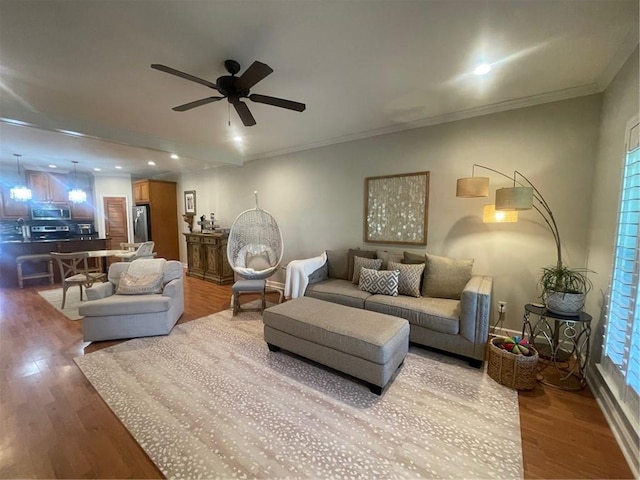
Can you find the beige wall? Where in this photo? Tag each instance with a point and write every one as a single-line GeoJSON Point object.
{"type": "Point", "coordinates": [620, 103]}
{"type": "Point", "coordinates": [317, 196]}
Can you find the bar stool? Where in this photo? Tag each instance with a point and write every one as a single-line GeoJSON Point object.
{"type": "Point", "coordinates": [45, 257]}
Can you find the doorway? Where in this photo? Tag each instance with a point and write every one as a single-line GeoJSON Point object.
{"type": "Point", "coordinates": [116, 223]}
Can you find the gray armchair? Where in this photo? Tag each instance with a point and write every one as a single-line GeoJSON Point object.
{"type": "Point", "coordinates": [113, 313]}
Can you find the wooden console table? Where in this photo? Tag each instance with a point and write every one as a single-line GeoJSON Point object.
{"type": "Point", "coordinates": [207, 257]}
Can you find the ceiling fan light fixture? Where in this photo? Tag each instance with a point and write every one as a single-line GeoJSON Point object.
{"type": "Point", "coordinates": [20, 192]}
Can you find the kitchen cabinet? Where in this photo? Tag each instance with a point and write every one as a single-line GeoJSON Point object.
{"type": "Point", "coordinates": [207, 257]}
{"type": "Point", "coordinates": [161, 197]}
{"type": "Point", "coordinates": [11, 209]}
{"type": "Point", "coordinates": [141, 191]}
{"type": "Point", "coordinates": [84, 210]}
{"type": "Point", "coordinates": [48, 187]}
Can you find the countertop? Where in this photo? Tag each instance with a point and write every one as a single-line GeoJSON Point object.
{"type": "Point", "coordinates": [30, 241]}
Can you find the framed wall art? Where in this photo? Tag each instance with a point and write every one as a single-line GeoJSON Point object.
{"type": "Point", "coordinates": [396, 209]}
{"type": "Point", "coordinates": [190, 201]}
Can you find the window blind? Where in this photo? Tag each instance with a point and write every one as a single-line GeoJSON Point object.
{"type": "Point", "coordinates": [622, 340]}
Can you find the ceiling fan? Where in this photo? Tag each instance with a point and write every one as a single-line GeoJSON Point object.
{"type": "Point", "coordinates": [234, 89]}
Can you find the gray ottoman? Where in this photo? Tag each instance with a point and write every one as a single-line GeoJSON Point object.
{"type": "Point", "coordinates": [367, 345]}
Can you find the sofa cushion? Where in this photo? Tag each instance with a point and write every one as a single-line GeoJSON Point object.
{"type": "Point", "coordinates": [387, 257]}
{"type": "Point", "coordinates": [437, 314]}
{"type": "Point", "coordinates": [360, 263]}
{"type": "Point", "coordinates": [413, 258]}
{"type": "Point", "coordinates": [361, 254]}
{"type": "Point", "coordinates": [338, 291]}
{"type": "Point", "coordinates": [125, 305]}
{"type": "Point", "coordinates": [384, 282]}
{"type": "Point", "coordinates": [410, 278]}
{"type": "Point", "coordinates": [446, 277]}
{"type": "Point", "coordinates": [338, 261]}
{"type": "Point", "coordinates": [130, 284]}
{"type": "Point", "coordinates": [173, 270]}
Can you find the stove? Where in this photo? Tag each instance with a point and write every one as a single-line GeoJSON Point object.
{"type": "Point", "coordinates": [50, 232]}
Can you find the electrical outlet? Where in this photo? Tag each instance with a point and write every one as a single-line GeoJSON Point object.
{"type": "Point", "coordinates": [502, 306]}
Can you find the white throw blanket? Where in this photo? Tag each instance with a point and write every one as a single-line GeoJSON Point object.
{"type": "Point", "coordinates": [298, 272]}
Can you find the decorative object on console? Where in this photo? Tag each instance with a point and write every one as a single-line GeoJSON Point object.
{"type": "Point", "coordinates": [76, 195]}
{"type": "Point", "coordinates": [396, 209]}
{"type": "Point", "coordinates": [188, 218]}
{"type": "Point", "coordinates": [20, 192]}
{"type": "Point", "coordinates": [525, 196]}
{"type": "Point", "coordinates": [190, 202]}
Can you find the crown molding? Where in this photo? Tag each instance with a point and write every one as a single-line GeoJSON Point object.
{"type": "Point", "coordinates": [524, 102]}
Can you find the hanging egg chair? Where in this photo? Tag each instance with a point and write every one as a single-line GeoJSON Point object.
{"type": "Point", "coordinates": [255, 246]}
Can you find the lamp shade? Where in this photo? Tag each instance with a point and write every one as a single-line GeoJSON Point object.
{"type": "Point", "coordinates": [470, 187]}
{"type": "Point", "coordinates": [514, 198]}
{"type": "Point", "coordinates": [491, 215]}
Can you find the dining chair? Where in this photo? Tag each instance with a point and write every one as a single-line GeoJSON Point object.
{"type": "Point", "coordinates": [144, 250]}
{"type": "Point", "coordinates": [75, 270]}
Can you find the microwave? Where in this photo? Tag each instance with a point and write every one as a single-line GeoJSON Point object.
{"type": "Point", "coordinates": [50, 213]}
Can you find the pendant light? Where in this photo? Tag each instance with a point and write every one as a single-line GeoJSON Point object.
{"type": "Point", "coordinates": [76, 195]}
{"type": "Point", "coordinates": [20, 193]}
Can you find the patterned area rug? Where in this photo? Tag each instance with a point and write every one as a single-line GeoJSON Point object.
{"type": "Point", "coordinates": [209, 400]}
{"type": "Point", "coordinates": [54, 297]}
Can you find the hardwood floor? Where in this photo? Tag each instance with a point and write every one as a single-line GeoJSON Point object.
{"type": "Point", "coordinates": [55, 425]}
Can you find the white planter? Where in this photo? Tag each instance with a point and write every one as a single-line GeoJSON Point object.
{"type": "Point", "coordinates": [565, 303]}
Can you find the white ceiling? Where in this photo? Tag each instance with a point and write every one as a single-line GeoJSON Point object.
{"type": "Point", "coordinates": [363, 67]}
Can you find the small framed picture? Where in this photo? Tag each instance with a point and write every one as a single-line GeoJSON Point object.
{"type": "Point", "coordinates": [190, 201]}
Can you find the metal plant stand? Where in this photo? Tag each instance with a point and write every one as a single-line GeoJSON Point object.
{"type": "Point", "coordinates": [563, 346]}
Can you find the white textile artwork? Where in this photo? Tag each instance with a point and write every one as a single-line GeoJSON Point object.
{"type": "Point", "coordinates": [298, 272]}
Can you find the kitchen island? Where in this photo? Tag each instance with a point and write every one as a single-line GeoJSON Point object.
{"type": "Point", "coordinates": [10, 250]}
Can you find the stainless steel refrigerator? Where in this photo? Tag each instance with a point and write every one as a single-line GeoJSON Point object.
{"type": "Point", "coordinates": [141, 224]}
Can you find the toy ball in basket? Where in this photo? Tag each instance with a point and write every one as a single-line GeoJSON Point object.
{"type": "Point", "coordinates": [513, 362]}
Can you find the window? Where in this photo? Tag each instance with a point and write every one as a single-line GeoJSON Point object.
{"type": "Point", "coordinates": [621, 356]}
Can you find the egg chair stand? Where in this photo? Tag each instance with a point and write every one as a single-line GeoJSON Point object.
{"type": "Point", "coordinates": [254, 250]}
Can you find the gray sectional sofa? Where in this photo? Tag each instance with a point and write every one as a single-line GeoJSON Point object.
{"type": "Point", "coordinates": [451, 312]}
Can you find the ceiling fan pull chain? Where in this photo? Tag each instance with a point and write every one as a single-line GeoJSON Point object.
{"type": "Point", "coordinates": [229, 112]}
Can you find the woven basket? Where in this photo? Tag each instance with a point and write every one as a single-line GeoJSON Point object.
{"type": "Point", "coordinates": [511, 370]}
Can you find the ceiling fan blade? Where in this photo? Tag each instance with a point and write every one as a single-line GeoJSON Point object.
{"type": "Point", "coordinates": [256, 72]}
{"type": "Point", "coordinates": [278, 102]}
{"type": "Point", "coordinates": [197, 103]}
{"type": "Point", "coordinates": [244, 113]}
{"type": "Point", "coordinates": [178, 73]}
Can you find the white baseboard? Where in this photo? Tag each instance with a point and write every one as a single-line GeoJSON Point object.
{"type": "Point", "coordinates": [622, 430]}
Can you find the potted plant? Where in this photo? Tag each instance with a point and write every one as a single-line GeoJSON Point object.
{"type": "Point", "coordinates": [564, 289]}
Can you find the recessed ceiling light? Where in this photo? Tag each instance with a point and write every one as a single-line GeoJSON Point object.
{"type": "Point", "coordinates": [237, 138]}
{"type": "Point", "coordinates": [97, 169]}
{"type": "Point", "coordinates": [118, 167]}
{"type": "Point", "coordinates": [174, 156]}
{"type": "Point", "coordinates": [53, 166]}
{"type": "Point", "coordinates": [151, 162]}
{"type": "Point", "coordinates": [482, 69]}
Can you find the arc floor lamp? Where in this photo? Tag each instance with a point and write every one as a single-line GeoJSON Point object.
{"type": "Point", "coordinates": [521, 196]}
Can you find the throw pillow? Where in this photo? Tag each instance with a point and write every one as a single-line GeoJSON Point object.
{"type": "Point", "coordinates": [258, 261]}
{"type": "Point", "coordinates": [384, 282]}
{"type": "Point", "coordinates": [338, 261]}
{"type": "Point", "coordinates": [387, 257]}
{"type": "Point", "coordinates": [359, 263]}
{"type": "Point", "coordinates": [413, 258]}
{"type": "Point", "coordinates": [446, 277]}
{"type": "Point", "coordinates": [139, 285]}
{"type": "Point", "coordinates": [359, 253]}
{"type": "Point", "coordinates": [410, 278]}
